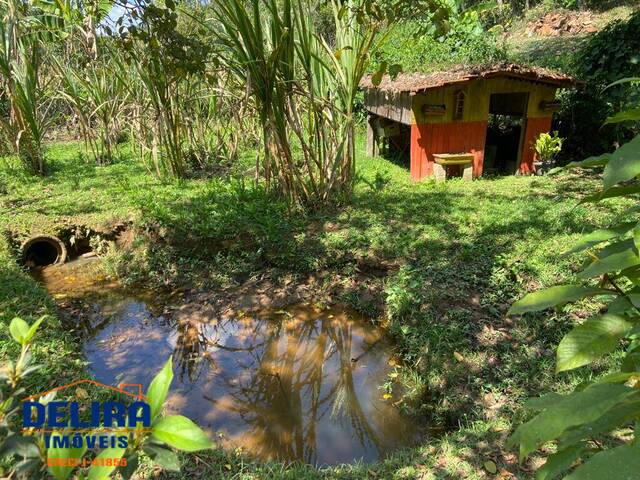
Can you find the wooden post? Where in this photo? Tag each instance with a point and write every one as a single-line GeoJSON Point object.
{"type": "Point", "coordinates": [372, 136]}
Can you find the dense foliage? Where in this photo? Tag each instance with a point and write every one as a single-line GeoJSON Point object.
{"type": "Point", "coordinates": [604, 58]}
{"type": "Point", "coordinates": [520, 6]}
{"type": "Point", "coordinates": [417, 47]}
{"type": "Point", "coordinates": [596, 421]}
{"type": "Point", "coordinates": [547, 146]}
{"type": "Point", "coordinates": [440, 278]}
{"type": "Point", "coordinates": [182, 104]}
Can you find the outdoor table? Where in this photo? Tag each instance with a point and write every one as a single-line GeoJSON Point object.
{"type": "Point", "coordinates": [445, 160]}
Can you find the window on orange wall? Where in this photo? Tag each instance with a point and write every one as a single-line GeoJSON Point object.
{"type": "Point", "coordinates": [458, 105]}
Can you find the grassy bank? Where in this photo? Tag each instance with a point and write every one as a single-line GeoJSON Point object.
{"type": "Point", "coordinates": [438, 265]}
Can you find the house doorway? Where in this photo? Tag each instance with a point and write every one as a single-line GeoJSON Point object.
{"type": "Point", "coordinates": [393, 140]}
{"type": "Point", "coordinates": [505, 133]}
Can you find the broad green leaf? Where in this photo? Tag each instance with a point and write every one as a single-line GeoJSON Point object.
{"type": "Point", "coordinates": [636, 237]}
{"type": "Point", "coordinates": [58, 472]}
{"type": "Point", "coordinates": [591, 162]}
{"type": "Point", "coordinates": [159, 387]}
{"type": "Point", "coordinates": [624, 164]}
{"type": "Point", "coordinates": [553, 296]}
{"type": "Point", "coordinates": [130, 468]}
{"type": "Point", "coordinates": [631, 363]}
{"type": "Point", "coordinates": [633, 275]}
{"type": "Point", "coordinates": [559, 462]}
{"type": "Point", "coordinates": [613, 258]}
{"type": "Point", "coordinates": [621, 463]}
{"type": "Point", "coordinates": [634, 297]}
{"type": "Point", "coordinates": [589, 341]}
{"type": "Point", "coordinates": [601, 235]}
{"type": "Point", "coordinates": [19, 330]}
{"type": "Point", "coordinates": [619, 306]}
{"type": "Point", "coordinates": [575, 409]}
{"type": "Point", "coordinates": [181, 433]}
{"type": "Point", "coordinates": [33, 328]}
{"type": "Point", "coordinates": [611, 193]}
{"type": "Point", "coordinates": [613, 419]}
{"type": "Point", "coordinates": [631, 115]}
{"type": "Point", "coordinates": [163, 457]}
{"type": "Point", "coordinates": [491, 467]}
{"type": "Point", "coordinates": [376, 78]}
{"type": "Point", "coordinates": [100, 472]}
{"type": "Point", "coordinates": [545, 401]}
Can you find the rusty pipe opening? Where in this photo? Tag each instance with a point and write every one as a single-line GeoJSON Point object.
{"type": "Point", "coordinates": [43, 250]}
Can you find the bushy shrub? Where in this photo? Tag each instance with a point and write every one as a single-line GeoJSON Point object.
{"type": "Point", "coordinates": [609, 55]}
{"type": "Point", "coordinates": [417, 48]}
{"type": "Point", "coordinates": [521, 6]}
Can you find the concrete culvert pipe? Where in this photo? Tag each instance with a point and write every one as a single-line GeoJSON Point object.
{"type": "Point", "coordinates": [43, 250]}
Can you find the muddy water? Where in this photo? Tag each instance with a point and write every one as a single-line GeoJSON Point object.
{"type": "Point", "coordinates": [295, 384]}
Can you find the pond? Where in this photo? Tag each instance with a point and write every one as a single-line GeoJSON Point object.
{"type": "Point", "coordinates": [301, 383]}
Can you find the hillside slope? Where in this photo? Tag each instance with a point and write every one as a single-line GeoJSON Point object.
{"type": "Point", "coordinates": [550, 38]}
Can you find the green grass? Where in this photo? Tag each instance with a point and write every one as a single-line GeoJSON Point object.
{"type": "Point", "coordinates": [436, 264]}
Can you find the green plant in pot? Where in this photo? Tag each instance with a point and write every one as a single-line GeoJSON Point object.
{"type": "Point", "coordinates": [547, 146]}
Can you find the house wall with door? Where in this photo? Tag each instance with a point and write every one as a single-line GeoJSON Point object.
{"type": "Point", "coordinates": [449, 112]}
{"type": "Point", "coordinates": [454, 119]}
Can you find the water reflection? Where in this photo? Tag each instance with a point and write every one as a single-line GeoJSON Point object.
{"type": "Point", "coordinates": [297, 384]}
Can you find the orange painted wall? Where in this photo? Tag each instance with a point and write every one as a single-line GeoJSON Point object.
{"type": "Point", "coordinates": [458, 137]}
{"type": "Point", "coordinates": [535, 126]}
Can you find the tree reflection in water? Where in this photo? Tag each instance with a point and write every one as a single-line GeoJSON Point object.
{"type": "Point", "coordinates": [302, 385]}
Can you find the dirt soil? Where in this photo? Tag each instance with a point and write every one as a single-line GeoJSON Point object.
{"type": "Point", "coordinates": [557, 24]}
{"type": "Point", "coordinates": [271, 290]}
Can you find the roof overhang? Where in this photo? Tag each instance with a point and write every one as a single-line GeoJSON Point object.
{"type": "Point", "coordinates": [419, 82]}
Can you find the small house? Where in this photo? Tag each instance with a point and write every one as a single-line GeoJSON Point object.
{"type": "Point", "coordinates": [492, 114]}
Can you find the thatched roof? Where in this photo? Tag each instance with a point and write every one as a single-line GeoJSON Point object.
{"type": "Point", "coordinates": [417, 82]}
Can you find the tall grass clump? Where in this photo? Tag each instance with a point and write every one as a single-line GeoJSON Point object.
{"type": "Point", "coordinates": [303, 87]}
{"type": "Point", "coordinates": [217, 124]}
{"type": "Point", "coordinates": [150, 49]}
{"type": "Point", "coordinates": [185, 115]}
{"type": "Point", "coordinates": [98, 96]}
{"type": "Point", "coordinates": [24, 124]}
{"type": "Point", "coordinates": [162, 67]}
{"type": "Point", "coordinates": [32, 33]}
